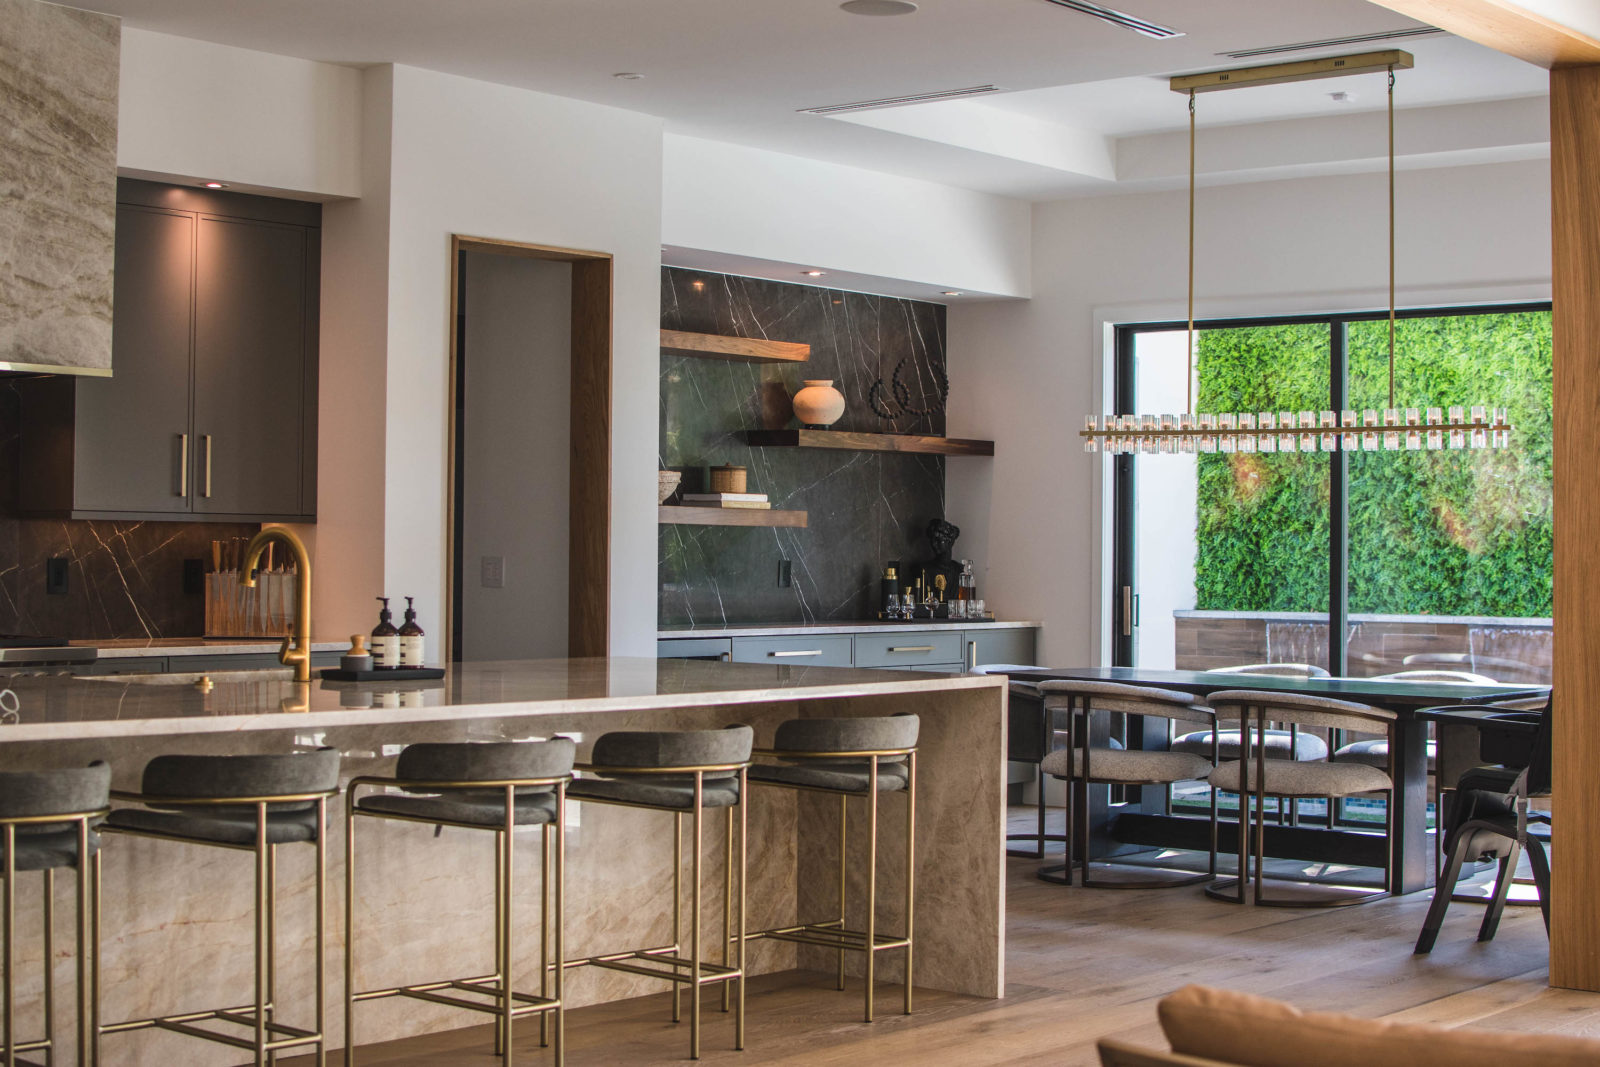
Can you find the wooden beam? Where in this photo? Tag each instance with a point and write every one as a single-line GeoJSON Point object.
{"type": "Point", "coordinates": [1506, 27]}
{"type": "Point", "coordinates": [1575, 175]}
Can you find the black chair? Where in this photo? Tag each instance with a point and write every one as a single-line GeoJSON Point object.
{"type": "Point", "coordinates": [1490, 817]}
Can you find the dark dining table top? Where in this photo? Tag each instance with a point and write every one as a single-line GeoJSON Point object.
{"type": "Point", "coordinates": [1396, 696]}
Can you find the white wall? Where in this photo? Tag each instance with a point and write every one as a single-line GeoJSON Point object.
{"type": "Point", "coordinates": [766, 205]}
{"type": "Point", "coordinates": [1026, 374]}
{"type": "Point", "coordinates": [491, 161]}
{"type": "Point", "coordinates": [516, 428]}
{"type": "Point", "coordinates": [195, 110]}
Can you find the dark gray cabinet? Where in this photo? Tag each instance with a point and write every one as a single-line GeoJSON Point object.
{"type": "Point", "coordinates": [211, 409]}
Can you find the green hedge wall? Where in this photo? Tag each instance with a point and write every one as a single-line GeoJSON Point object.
{"type": "Point", "coordinates": [1441, 533]}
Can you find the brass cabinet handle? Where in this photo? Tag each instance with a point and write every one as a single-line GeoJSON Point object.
{"type": "Point", "coordinates": [786, 655]}
{"type": "Point", "coordinates": [912, 648]}
{"type": "Point", "coordinates": [183, 464]}
{"type": "Point", "coordinates": [205, 440]}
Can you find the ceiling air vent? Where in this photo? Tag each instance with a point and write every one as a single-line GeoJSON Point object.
{"type": "Point", "coordinates": [1118, 18]}
{"type": "Point", "coordinates": [1333, 42]}
{"type": "Point", "coordinates": [903, 101]}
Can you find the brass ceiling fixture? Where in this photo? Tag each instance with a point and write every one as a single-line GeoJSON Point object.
{"type": "Point", "coordinates": [1393, 429]}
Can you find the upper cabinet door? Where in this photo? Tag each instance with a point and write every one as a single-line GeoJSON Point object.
{"type": "Point", "coordinates": [133, 429]}
{"type": "Point", "coordinates": [253, 282]}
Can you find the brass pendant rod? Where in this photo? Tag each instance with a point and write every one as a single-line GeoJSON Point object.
{"type": "Point", "coordinates": [1189, 380]}
{"type": "Point", "coordinates": [1391, 238]}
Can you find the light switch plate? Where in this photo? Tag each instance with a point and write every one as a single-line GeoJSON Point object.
{"type": "Point", "coordinates": [492, 572]}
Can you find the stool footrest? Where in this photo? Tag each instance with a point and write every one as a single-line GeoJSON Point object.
{"type": "Point", "coordinates": [486, 985]}
{"type": "Point", "coordinates": [830, 935]}
{"type": "Point", "coordinates": [669, 969]}
{"type": "Point", "coordinates": [244, 1016]}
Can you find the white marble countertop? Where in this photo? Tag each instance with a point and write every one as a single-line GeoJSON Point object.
{"type": "Point", "coordinates": [783, 629]}
{"type": "Point", "coordinates": [195, 646]}
{"type": "Point", "coordinates": [68, 708]}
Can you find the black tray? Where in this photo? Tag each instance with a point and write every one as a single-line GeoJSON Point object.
{"type": "Point", "coordinates": [399, 674]}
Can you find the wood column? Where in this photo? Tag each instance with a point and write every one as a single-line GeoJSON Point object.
{"type": "Point", "coordinates": [1575, 177]}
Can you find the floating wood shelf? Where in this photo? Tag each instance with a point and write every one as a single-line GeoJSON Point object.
{"type": "Point", "coordinates": [693, 516]}
{"type": "Point", "coordinates": [868, 442]}
{"type": "Point", "coordinates": [747, 349]}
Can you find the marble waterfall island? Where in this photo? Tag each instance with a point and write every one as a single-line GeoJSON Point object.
{"type": "Point", "coordinates": [424, 903]}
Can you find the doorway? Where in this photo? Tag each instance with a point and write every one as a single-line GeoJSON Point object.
{"type": "Point", "coordinates": [530, 444]}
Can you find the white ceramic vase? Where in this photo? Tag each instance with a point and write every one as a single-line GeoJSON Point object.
{"type": "Point", "coordinates": [818, 404]}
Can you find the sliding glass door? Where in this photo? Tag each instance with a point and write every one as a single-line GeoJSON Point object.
{"type": "Point", "coordinates": [1359, 563]}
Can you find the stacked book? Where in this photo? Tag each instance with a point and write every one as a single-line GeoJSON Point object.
{"type": "Point", "coordinates": [752, 501]}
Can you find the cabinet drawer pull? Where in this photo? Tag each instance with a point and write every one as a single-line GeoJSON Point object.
{"type": "Point", "coordinates": [788, 655]}
{"type": "Point", "coordinates": [912, 648]}
{"type": "Point", "coordinates": [205, 440]}
{"type": "Point", "coordinates": [183, 464]}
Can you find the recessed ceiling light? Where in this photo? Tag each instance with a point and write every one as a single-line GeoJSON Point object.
{"type": "Point", "coordinates": [1342, 96]}
{"type": "Point", "coordinates": [950, 292]}
{"type": "Point", "coordinates": [628, 75]}
{"type": "Point", "coordinates": [216, 185]}
{"type": "Point", "coordinates": [878, 7]}
{"type": "Point", "coordinates": [813, 273]}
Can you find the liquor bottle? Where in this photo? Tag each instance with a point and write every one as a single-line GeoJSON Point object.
{"type": "Point", "coordinates": [411, 639]}
{"type": "Point", "coordinates": [891, 593]}
{"type": "Point", "coordinates": [385, 640]}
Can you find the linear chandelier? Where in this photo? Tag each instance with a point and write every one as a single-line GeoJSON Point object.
{"type": "Point", "coordinates": [1392, 429]}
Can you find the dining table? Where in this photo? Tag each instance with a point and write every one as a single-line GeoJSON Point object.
{"type": "Point", "coordinates": [1410, 843]}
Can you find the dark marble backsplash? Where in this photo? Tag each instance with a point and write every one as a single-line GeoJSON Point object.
{"type": "Point", "coordinates": [124, 579]}
{"type": "Point", "coordinates": [864, 508]}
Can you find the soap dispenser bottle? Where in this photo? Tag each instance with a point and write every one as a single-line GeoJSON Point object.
{"type": "Point", "coordinates": [411, 638]}
{"type": "Point", "coordinates": [385, 640]}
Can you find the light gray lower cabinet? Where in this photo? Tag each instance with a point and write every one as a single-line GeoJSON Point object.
{"type": "Point", "coordinates": [915, 650]}
{"type": "Point", "coordinates": [945, 650]}
{"type": "Point", "coordinates": [1000, 646]}
{"type": "Point", "coordinates": [816, 650]}
{"type": "Point", "coordinates": [720, 648]}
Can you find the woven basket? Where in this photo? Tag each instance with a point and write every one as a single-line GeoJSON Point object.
{"type": "Point", "coordinates": [728, 479]}
{"type": "Point", "coordinates": [667, 484]}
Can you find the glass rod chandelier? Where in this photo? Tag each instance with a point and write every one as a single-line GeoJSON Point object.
{"type": "Point", "coordinates": [1370, 430]}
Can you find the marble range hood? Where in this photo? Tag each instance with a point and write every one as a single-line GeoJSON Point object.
{"type": "Point", "coordinates": [58, 187]}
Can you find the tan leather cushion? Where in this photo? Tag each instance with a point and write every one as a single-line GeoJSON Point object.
{"type": "Point", "coordinates": [1251, 1031]}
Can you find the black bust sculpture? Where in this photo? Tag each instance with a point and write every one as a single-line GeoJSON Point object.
{"type": "Point", "coordinates": [941, 537]}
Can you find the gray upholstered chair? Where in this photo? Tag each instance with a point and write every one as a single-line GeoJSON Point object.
{"type": "Point", "coordinates": [862, 758]}
{"type": "Point", "coordinates": [48, 819]}
{"type": "Point", "coordinates": [1281, 670]}
{"type": "Point", "coordinates": [496, 786]}
{"type": "Point", "coordinates": [685, 773]}
{"type": "Point", "coordinates": [1030, 737]}
{"type": "Point", "coordinates": [1374, 751]}
{"type": "Point", "coordinates": [253, 804]}
{"type": "Point", "coordinates": [1280, 744]}
{"type": "Point", "coordinates": [1091, 758]}
{"type": "Point", "coordinates": [1254, 777]}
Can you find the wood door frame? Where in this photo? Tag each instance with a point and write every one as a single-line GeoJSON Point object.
{"type": "Point", "coordinates": [589, 462]}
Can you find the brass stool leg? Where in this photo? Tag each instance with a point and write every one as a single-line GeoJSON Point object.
{"type": "Point", "coordinates": [49, 991]}
{"type": "Point", "coordinates": [744, 868]}
{"type": "Point", "coordinates": [727, 905]}
{"type": "Point", "coordinates": [322, 932]}
{"type": "Point", "coordinates": [694, 924]}
{"type": "Point", "coordinates": [872, 882]}
{"type": "Point", "coordinates": [272, 941]}
{"type": "Point", "coordinates": [560, 922]}
{"type": "Point", "coordinates": [499, 936]}
{"type": "Point", "coordinates": [263, 911]}
{"type": "Point", "coordinates": [677, 910]}
{"type": "Point", "coordinates": [350, 932]}
{"type": "Point", "coordinates": [911, 864]}
{"type": "Point", "coordinates": [94, 938]}
{"type": "Point", "coordinates": [844, 842]}
{"type": "Point", "coordinates": [507, 842]}
{"type": "Point", "coordinates": [544, 932]}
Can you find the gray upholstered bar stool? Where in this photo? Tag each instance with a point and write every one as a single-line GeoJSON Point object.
{"type": "Point", "coordinates": [252, 804]}
{"type": "Point", "coordinates": [847, 758]}
{"type": "Point", "coordinates": [48, 822]}
{"type": "Point", "coordinates": [496, 786]}
{"type": "Point", "coordinates": [1255, 777]}
{"type": "Point", "coordinates": [683, 772]}
{"type": "Point", "coordinates": [1088, 760]}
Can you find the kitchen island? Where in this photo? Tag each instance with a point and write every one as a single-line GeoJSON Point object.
{"type": "Point", "coordinates": [175, 936]}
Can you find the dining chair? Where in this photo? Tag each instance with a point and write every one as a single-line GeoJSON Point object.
{"type": "Point", "coordinates": [1284, 670]}
{"type": "Point", "coordinates": [1031, 734]}
{"type": "Point", "coordinates": [1091, 759]}
{"type": "Point", "coordinates": [1255, 778]}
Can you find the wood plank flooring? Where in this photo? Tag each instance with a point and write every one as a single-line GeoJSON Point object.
{"type": "Point", "coordinates": [1084, 964]}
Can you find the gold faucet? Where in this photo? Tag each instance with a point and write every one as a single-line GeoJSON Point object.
{"type": "Point", "coordinates": [296, 650]}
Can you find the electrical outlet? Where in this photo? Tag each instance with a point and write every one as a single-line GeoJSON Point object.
{"type": "Point", "coordinates": [194, 577]}
{"type": "Point", "coordinates": [492, 572]}
{"type": "Point", "coordinates": [785, 574]}
{"type": "Point", "coordinates": [55, 576]}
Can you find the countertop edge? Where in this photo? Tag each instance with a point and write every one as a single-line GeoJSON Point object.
{"type": "Point", "coordinates": [121, 649]}
{"type": "Point", "coordinates": [809, 628]}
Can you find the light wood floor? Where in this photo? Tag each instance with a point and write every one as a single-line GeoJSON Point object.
{"type": "Point", "coordinates": [1083, 964]}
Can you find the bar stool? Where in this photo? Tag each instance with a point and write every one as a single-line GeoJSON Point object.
{"type": "Point", "coordinates": [251, 804]}
{"type": "Point", "coordinates": [494, 786]}
{"type": "Point", "coordinates": [48, 819]}
{"type": "Point", "coordinates": [1030, 736]}
{"type": "Point", "coordinates": [859, 757]}
{"type": "Point", "coordinates": [1084, 763]}
{"type": "Point", "coordinates": [1256, 777]}
{"type": "Point", "coordinates": [683, 772]}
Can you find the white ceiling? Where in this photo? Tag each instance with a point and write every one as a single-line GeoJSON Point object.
{"type": "Point", "coordinates": [741, 70]}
